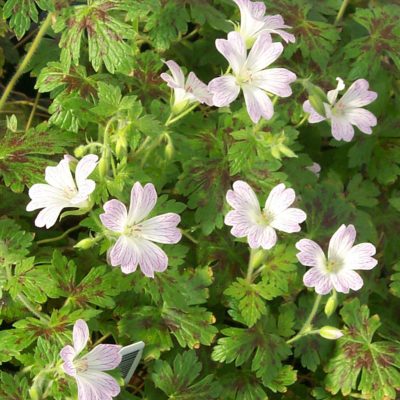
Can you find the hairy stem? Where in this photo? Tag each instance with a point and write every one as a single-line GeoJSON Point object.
{"type": "Point", "coordinates": [341, 12]}
{"type": "Point", "coordinates": [306, 328]}
{"type": "Point", "coordinates": [32, 114]}
{"type": "Point", "coordinates": [171, 120]}
{"type": "Point", "coordinates": [62, 236]}
{"type": "Point", "coordinates": [34, 46]}
{"type": "Point", "coordinates": [303, 120]}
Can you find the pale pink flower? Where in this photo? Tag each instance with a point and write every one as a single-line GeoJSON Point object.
{"type": "Point", "coordinates": [253, 22]}
{"type": "Point", "coordinates": [93, 383]}
{"type": "Point", "coordinates": [61, 190]}
{"type": "Point", "coordinates": [347, 111]}
{"type": "Point", "coordinates": [315, 168]}
{"type": "Point", "coordinates": [250, 75]}
{"type": "Point", "coordinates": [185, 93]}
{"type": "Point", "coordinates": [247, 219]}
{"type": "Point", "coordinates": [136, 234]}
{"type": "Point", "coordinates": [337, 271]}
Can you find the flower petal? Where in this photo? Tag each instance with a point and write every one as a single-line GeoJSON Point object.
{"type": "Point", "coordinates": [152, 258]}
{"type": "Point", "coordinates": [125, 254]}
{"type": "Point", "coordinates": [104, 357]}
{"type": "Point", "coordinates": [199, 89]}
{"type": "Point", "coordinates": [48, 217]}
{"type": "Point", "coordinates": [233, 49]}
{"type": "Point", "coordinates": [240, 221]}
{"type": "Point", "coordinates": [60, 176]}
{"type": "Point", "coordinates": [275, 80]}
{"type": "Point", "coordinates": [242, 197]}
{"type": "Point", "coordinates": [360, 257]}
{"type": "Point", "coordinates": [342, 129]}
{"type": "Point", "coordinates": [276, 24]}
{"type": "Point", "coordinates": [358, 94]}
{"type": "Point", "coordinates": [362, 119]}
{"type": "Point", "coordinates": [314, 117]}
{"type": "Point", "coordinates": [224, 90]}
{"type": "Point", "coordinates": [177, 80]}
{"type": "Point", "coordinates": [289, 220]}
{"type": "Point", "coordinates": [315, 278]}
{"type": "Point", "coordinates": [143, 200]}
{"type": "Point", "coordinates": [80, 335]}
{"type": "Point", "coordinates": [345, 280]}
{"type": "Point", "coordinates": [311, 255]}
{"type": "Point", "coordinates": [84, 168]}
{"type": "Point", "coordinates": [96, 385]}
{"type": "Point", "coordinates": [258, 103]}
{"type": "Point", "coordinates": [162, 229]}
{"type": "Point", "coordinates": [115, 216]}
{"type": "Point", "coordinates": [262, 236]}
{"type": "Point", "coordinates": [279, 199]}
{"type": "Point", "coordinates": [44, 195]}
{"type": "Point", "coordinates": [263, 53]}
{"type": "Point", "coordinates": [341, 242]}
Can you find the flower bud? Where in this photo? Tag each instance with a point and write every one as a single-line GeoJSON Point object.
{"type": "Point", "coordinates": [121, 146]}
{"type": "Point", "coordinates": [331, 305]}
{"type": "Point", "coordinates": [80, 151]}
{"type": "Point", "coordinates": [331, 333]}
{"type": "Point", "coordinates": [316, 96]}
{"type": "Point", "coordinates": [33, 393]}
{"type": "Point", "coordinates": [86, 243]}
{"type": "Point", "coordinates": [103, 166]}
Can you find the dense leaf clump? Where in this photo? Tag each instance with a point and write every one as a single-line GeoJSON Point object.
{"type": "Point", "coordinates": [159, 148]}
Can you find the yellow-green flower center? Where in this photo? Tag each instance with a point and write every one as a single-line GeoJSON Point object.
{"type": "Point", "coordinates": [81, 365]}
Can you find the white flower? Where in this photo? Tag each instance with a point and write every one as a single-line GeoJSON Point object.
{"type": "Point", "coordinates": [250, 75]}
{"type": "Point", "coordinates": [337, 270]}
{"type": "Point", "coordinates": [347, 111]}
{"type": "Point", "coordinates": [253, 22]}
{"type": "Point", "coordinates": [93, 383]}
{"type": "Point", "coordinates": [136, 234]}
{"type": "Point", "coordinates": [61, 190]}
{"type": "Point", "coordinates": [315, 168]}
{"type": "Point", "coordinates": [185, 93]}
{"type": "Point", "coordinates": [247, 219]}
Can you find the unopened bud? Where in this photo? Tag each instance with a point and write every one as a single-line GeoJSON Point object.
{"type": "Point", "coordinates": [85, 244]}
{"type": "Point", "coordinates": [103, 166]}
{"type": "Point", "coordinates": [121, 146]}
{"type": "Point", "coordinates": [33, 393]}
{"type": "Point", "coordinates": [331, 333]}
{"type": "Point", "coordinates": [169, 150]}
{"type": "Point", "coordinates": [331, 305]}
{"type": "Point", "coordinates": [80, 151]}
{"type": "Point", "coordinates": [316, 96]}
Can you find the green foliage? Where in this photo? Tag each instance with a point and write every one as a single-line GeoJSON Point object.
{"type": "Point", "coordinates": [361, 363]}
{"type": "Point", "coordinates": [181, 381]}
{"type": "Point", "coordinates": [213, 329]}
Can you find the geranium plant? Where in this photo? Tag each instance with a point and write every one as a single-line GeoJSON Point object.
{"type": "Point", "coordinates": [186, 174]}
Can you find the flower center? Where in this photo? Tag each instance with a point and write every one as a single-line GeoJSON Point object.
{"type": "Point", "coordinates": [243, 77]}
{"type": "Point", "coordinates": [70, 192]}
{"type": "Point", "coordinates": [132, 231]}
{"type": "Point", "coordinates": [338, 109]}
{"type": "Point", "coordinates": [334, 265]}
{"type": "Point", "coordinates": [81, 365]}
{"type": "Point", "coordinates": [265, 218]}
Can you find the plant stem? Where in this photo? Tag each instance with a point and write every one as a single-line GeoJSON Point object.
{"type": "Point", "coordinates": [34, 46]}
{"type": "Point", "coordinates": [256, 257]}
{"type": "Point", "coordinates": [170, 120]}
{"type": "Point", "coordinates": [24, 301]}
{"type": "Point", "coordinates": [189, 236]}
{"type": "Point", "coordinates": [342, 9]}
{"type": "Point", "coordinates": [102, 339]}
{"type": "Point", "coordinates": [32, 114]}
{"type": "Point", "coordinates": [306, 328]}
{"type": "Point", "coordinates": [62, 236]}
{"type": "Point", "coordinates": [303, 120]}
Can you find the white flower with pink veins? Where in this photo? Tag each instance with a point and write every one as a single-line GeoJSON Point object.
{"type": "Point", "coordinates": [248, 220]}
{"type": "Point", "coordinates": [250, 74]}
{"type": "Point", "coordinates": [185, 93]}
{"type": "Point", "coordinates": [337, 271]}
{"type": "Point", "coordinates": [347, 111]}
{"type": "Point", "coordinates": [134, 245]}
{"type": "Point", "coordinates": [253, 22]}
{"type": "Point", "coordinates": [61, 190]}
{"type": "Point", "coordinates": [93, 383]}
